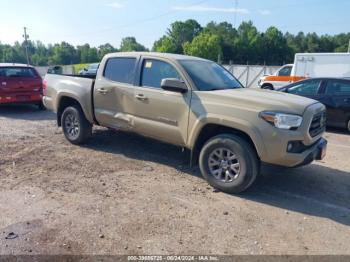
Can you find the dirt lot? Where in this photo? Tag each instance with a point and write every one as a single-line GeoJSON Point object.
{"type": "Point", "coordinates": [122, 194]}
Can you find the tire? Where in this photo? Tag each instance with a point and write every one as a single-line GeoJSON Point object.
{"type": "Point", "coordinates": [348, 125]}
{"type": "Point", "coordinates": [76, 128]}
{"type": "Point", "coordinates": [241, 163]}
{"type": "Point", "coordinates": [267, 87]}
{"type": "Point", "coordinates": [41, 106]}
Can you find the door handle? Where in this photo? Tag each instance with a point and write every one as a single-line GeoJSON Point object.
{"type": "Point", "coordinates": [103, 91]}
{"type": "Point", "coordinates": [141, 97]}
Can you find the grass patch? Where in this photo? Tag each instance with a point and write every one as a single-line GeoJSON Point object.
{"type": "Point", "coordinates": [79, 67]}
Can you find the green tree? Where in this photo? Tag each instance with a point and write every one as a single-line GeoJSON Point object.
{"type": "Point", "coordinates": [275, 49]}
{"type": "Point", "coordinates": [312, 41]}
{"type": "Point", "coordinates": [105, 49]}
{"type": "Point", "coordinates": [182, 32]}
{"type": "Point", "coordinates": [130, 44]}
{"type": "Point", "coordinates": [41, 54]}
{"type": "Point", "coordinates": [205, 45]}
{"type": "Point", "coordinates": [341, 42]}
{"type": "Point", "coordinates": [165, 45]}
{"type": "Point", "coordinates": [63, 54]}
{"type": "Point", "coordinates": [247, 43]}
{"type": "Point", "coordinates": [13, 54]}
{"type": "Point", "coordinates": [241, 45]}
{"type": "Point", "coordinates": [87, 54]}
{"type": "Point", "coordinates": [227, 35]}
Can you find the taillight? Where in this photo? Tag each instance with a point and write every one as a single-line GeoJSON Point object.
{"type": "Point", "coordinates": [44, 87]}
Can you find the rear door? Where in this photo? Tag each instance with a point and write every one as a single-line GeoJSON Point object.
{"type": "Point", "coordinates": [337, 101]}
{"type": "Point", "coordinates": [114, 93]}
{"type": "Point", "coordinates": [158, 113]}
{"type": "Point", "coordinates": [19, 81]}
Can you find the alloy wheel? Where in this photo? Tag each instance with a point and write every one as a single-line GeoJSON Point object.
{"type": "Point", "coordinates": [72, 126]}
{"type": "Point", "coordinates": [224, 165]}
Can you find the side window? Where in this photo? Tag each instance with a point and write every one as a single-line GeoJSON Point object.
{"type": "Point", "coordinates": [306, 88]}
{"type": "Point", "coordinates": [154, 71]}
{"type": "Point", "coordinates": [335, 87]}
{"type": "Point", "coordinates": [120, 70]}
{"type": "Point", "coordinates": [285, 71]}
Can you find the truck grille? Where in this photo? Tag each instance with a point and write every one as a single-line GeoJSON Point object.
{"type": "Point", "coordinates": [318, 124]}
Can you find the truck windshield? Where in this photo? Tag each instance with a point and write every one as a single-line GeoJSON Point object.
{"type": "Point", "coordinates": [209, 76]}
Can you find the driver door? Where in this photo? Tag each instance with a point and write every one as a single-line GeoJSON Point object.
{"type": "Point", "coordinates": [158, 113]}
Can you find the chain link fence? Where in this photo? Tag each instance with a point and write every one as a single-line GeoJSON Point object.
{"type": "Point", "coordinates": [249, 75]}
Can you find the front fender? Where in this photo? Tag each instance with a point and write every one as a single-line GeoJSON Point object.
{"type": "Point", "coordinates": [230, 122]}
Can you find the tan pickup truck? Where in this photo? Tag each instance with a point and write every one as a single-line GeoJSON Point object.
{"type": "Point", "coordinates": [195, 104]}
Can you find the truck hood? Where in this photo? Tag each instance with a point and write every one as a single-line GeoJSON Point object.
{"type": "Point", "coordinates": [261, 100]}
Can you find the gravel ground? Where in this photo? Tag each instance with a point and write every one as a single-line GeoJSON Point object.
{"type": "Point", "coordinates": [123, 194]}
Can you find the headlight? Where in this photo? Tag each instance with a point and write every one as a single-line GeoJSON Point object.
{"type": "Point", "coordinates": [281, 120]}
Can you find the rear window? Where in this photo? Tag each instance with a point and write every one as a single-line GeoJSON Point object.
{"type": "Point", "coordinates": [120, 70]}
{"type": "Point", "coordinates": [18, 72]}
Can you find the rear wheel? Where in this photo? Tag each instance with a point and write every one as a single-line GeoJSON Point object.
{"type": "Point", "coordinates": [229, 163]}
{"type": "Point", "coordinates": [76, 128]}
{"type": "Point", "coordinates": [41, 106]}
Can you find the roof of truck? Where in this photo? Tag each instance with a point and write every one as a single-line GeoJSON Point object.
{"type": "Point", "coordinates": [156, 54]}
{"type": "Point", "coordinates": [14, 65]}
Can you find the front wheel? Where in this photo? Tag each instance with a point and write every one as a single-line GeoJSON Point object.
{"type": "Point", "coordinates": [229, 163]}
{"type": "Point", "coordinates": [76, 128]}
{"type": "Point", "coordinates": [267, 87]}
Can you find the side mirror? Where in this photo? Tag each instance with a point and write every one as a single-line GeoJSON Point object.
{"type": "Point", "coordinates": [85, 69]}
{"type": "Point", "coordinates": [174, 85]}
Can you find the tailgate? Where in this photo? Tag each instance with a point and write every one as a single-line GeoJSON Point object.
{"type": "Point", "coordinates": [14, 80]}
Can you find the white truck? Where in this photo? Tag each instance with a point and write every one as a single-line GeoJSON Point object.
{"type": "Point", "coordinates": [308, 65]}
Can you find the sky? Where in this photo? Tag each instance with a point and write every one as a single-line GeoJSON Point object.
{"type": "Point", "coordinates": [107, 21]}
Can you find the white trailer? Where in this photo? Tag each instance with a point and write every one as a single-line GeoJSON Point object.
{"type": "Point", "coordinates": [311, 65]}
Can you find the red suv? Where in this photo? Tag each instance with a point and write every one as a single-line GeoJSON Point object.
{"type": "Point", "coordinates": [20, 83]}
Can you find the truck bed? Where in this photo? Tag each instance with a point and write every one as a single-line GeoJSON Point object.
{"type": "Point", "coordinates": [76, 87]}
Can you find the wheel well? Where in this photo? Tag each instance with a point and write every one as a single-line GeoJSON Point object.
{"type": "Point", "coordinates": [63, 104]}
{"type": "Point", "coordinates": [211, 130]}
{"type": "Point", "coordinates": [267, 85]}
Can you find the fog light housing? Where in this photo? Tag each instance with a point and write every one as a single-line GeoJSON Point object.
{"type": "Point", "coordinates": [296, 147]}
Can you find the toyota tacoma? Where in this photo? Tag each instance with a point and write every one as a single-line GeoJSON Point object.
{"type": "Point", "coordinates": [195, 104]}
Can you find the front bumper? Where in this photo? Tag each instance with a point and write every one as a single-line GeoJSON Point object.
{"type": "Point", "coordinates": [315, 152]}
{"type": "Point", "coordinates": [318, 152]}
{"type": "Point", "coordinates": [276, 142]}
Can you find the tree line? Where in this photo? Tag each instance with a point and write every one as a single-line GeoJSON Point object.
{"type": "Point", "coordinates": [63, 53]}
{"type": "Point", "coordinates": [216, 41]}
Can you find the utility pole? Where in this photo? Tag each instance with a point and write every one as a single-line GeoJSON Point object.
{"type": "Point", "coordinates": [25, 36]}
